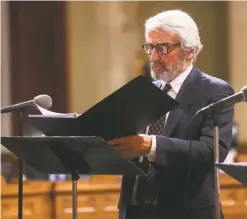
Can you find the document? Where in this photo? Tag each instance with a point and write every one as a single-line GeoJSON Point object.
{"type": "Point", "coordinates": [48, 113]}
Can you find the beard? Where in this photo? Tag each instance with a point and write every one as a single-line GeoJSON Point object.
{"type": "Point", "coordinates": [168, 73]}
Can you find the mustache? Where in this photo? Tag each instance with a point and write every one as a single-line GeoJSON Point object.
{"type": "Point", "coordinates": [157, 63]}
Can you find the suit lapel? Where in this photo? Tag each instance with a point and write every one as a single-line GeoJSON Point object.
{"type": "Point", "coordinates": [186, 95]}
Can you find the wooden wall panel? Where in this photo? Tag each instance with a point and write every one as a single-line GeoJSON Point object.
{"type": "Point", "coordinates": [38, 61]}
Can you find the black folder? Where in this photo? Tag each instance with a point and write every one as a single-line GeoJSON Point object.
{"type": "Point", "coordinates": [238, 171]}
{"type": "Point", "coordinates": [125, 112]}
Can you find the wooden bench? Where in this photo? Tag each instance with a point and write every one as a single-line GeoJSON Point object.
{"type": "Point", "coordinates": [94, 199]}
{"type": "Point", "coordinates": [37, 201]}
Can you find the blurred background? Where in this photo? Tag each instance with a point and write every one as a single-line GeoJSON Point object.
{"type": "Point", "coordinates": [79, 53]}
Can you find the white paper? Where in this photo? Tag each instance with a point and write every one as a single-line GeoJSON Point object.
{"type": "Point", "coordinates": [46, 112]}
{"type": "Point", "coordinates": [243, 164]}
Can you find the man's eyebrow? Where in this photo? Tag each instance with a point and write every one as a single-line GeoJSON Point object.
{"type": "Point", "coordinates": [160, 43]}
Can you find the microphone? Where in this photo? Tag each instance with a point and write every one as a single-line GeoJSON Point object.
{"type": "Point", "coordinates": [42, 100]}
{"type": "Point", "coordinates": [235, 98]}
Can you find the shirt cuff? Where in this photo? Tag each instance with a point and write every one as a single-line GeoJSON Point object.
{"type": "Point", "coordinates": [152, 154]}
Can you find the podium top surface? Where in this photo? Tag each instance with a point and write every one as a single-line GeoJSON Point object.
{"type": "Point", "coordinates": [238, 171]}
{"type": "Point", "coordinates": [82, 155]}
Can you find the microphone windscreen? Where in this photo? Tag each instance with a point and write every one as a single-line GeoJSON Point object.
{"type": "Point", "coordinates": [43, 100]}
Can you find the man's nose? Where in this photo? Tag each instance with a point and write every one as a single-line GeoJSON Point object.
{"type": "Point", "coordinates": [154, 55]}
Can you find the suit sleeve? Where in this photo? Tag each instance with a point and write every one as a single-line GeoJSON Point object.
{"type": "Point", "coordinates": [175, 152]}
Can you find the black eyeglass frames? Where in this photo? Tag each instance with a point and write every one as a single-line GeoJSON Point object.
{"type": "Point", "coordinates": [161, 48]}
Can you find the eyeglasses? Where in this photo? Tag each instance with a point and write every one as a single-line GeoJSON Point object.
{"type": "Point", "coordinates": [161, 48]}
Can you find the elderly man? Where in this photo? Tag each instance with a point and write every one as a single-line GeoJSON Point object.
{"type": "Point", "coordinates": [180, 184]}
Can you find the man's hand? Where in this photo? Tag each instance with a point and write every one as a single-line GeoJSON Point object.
{"type": "Point", "coordinates": [132, 146]}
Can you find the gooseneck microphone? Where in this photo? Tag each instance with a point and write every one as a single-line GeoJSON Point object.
{"type": "Point", "coordinates": [241, 96]}
{"type": "Point", "coordinates": [42, 100]}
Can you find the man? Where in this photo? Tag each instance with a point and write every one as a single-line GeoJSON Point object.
{"type": "Point", "coordinates": [181, 181]}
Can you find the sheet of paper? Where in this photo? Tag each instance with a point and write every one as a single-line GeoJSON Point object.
{"type": "Point", "coordinates": [239, 164]}
{"type": "Point", "coordinates": [46, 112]}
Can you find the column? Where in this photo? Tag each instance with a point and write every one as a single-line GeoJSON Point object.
{"type": "Point", "coordinates": [5, 75]}
{"type": "Point", "coordinates": [238, 60]}
{"type": "Point", "coordinates": [102, 45]}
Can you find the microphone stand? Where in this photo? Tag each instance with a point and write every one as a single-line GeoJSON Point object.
{"type": "Point", "coordinates": [75, 177]}
{"type": "Point", "coordinates": [214, 114]}
{"type": "Point", "coordinates": [20, 118]}
{"type": "Point", "coordinates": [20, 167]}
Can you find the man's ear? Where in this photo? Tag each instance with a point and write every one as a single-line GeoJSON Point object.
{"type": "Point", "coordinates": [190, 54]}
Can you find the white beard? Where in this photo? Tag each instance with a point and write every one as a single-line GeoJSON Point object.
{"type": "Point", "coordinates": [169, 75]}
{"type": "Point", "coordinates": [164, 76]}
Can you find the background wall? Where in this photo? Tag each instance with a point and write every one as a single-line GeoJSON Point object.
{"type": "Point", "coordinates": [5, 69]}
{"type": "Point", "coordinates": [102, 42]}
{"type": "Point", "coordinates": [237, 59]}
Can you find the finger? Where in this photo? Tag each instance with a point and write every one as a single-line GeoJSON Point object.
{"type": "Point", "coordinates": [125, 151]}
{"type": "Point", "coordinates": [123, 147]}
{"type": "Point", "coordinates": [126, 154]}
{"type": "Point", "coordinates": [117, 141]}
{"type": "Point", "coordinates": [122, 140]}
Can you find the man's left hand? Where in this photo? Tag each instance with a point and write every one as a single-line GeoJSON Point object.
{"type": "Point", "coordinates": [132, 146]}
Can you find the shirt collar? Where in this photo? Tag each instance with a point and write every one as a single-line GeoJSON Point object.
{"type": "Point", "coordinates": [178, 81]}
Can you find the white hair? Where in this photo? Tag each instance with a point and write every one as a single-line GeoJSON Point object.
{"type": "Point", "coordinates": [180, 23]}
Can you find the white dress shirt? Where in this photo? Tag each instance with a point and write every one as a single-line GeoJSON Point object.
{"type": "Point", "coordinates": [176, 84]}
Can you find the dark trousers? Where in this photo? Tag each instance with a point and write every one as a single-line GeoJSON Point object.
{"type": "Point", "coordinates": [137, 212]}
{"type": "Point", "coordinates": [150, 212]}
{"type": "Point", "coordinates": [205, 213]}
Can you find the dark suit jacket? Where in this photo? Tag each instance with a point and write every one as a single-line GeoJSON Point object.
{"type": "Point", "coordinates": [184, 180]}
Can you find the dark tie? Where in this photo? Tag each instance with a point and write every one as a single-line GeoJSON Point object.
{"type": "Point", "coordinates": [145, 192]}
